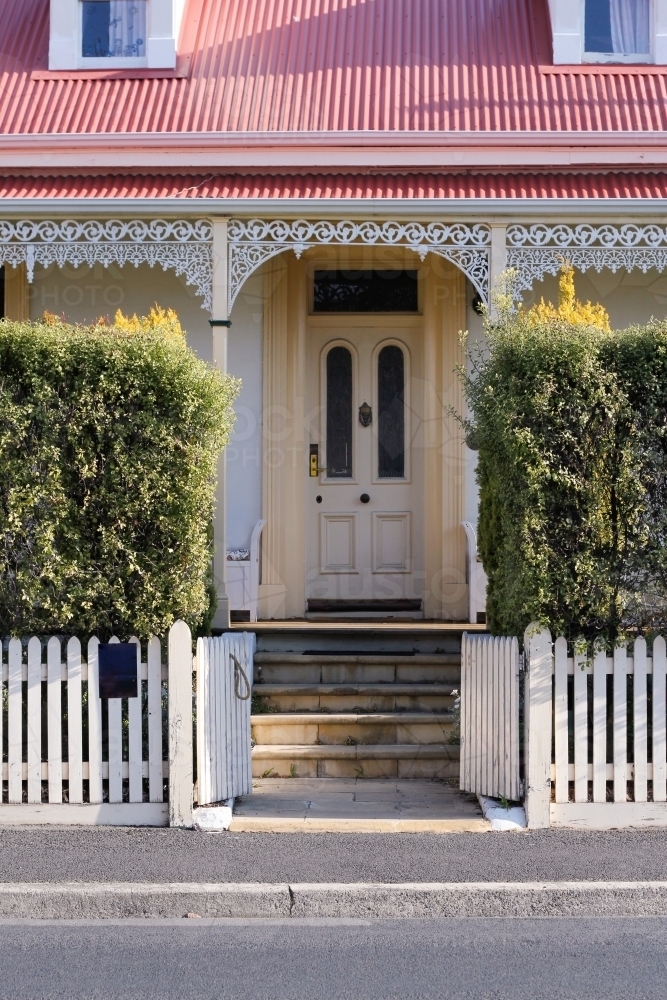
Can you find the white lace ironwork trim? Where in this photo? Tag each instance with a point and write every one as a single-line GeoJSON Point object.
{"type": "Point", "coordinates": [180, 246]}
{"type": "Point", "coordinates": [254, 241]}
{"type": "Point", "coordinates": [532, 265]}
{"type": "Point", "coordinates": [585, 235]}
{"type": "Point", "coordinates": [535, 251]}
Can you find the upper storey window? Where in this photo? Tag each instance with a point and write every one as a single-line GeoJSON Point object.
{"type": "Point", "coordinates": [609, 31]}
{"type": "Point", "coordinates": [112, 35]}
{"type": "Point", "coordinates": [113, 29]}
{"type": "Point", "coordinates": [618, 28]}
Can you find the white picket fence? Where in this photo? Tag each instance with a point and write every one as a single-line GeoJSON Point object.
{"type": "Point", "coordinates": [63, 766]}
{"type": "Point", "coordinates": [490, 716]}
{"type": "Point", "coordinates": [605, 716]}
{"type": "Point", "coordinates": [224, 686]}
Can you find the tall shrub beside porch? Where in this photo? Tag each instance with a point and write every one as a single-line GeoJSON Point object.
{"type": "Point", "coordinates": [570, 420]}
{"type": "Point", "coordinates": [108, 446]}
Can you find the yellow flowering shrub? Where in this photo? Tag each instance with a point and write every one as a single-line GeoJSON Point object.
{"type": "Point", "coordinates": [569, 309]}
{"type": "Point", "coordinates": [159, 320]}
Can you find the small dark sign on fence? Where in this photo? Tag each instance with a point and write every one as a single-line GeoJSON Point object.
{"type": "Point", "coordinates": [118, 670]}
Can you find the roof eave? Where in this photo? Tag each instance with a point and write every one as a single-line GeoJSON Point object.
{"type": "Point", "coordinates": [489, 209]}
{"type": "Point", "coordinates": [332, 150]}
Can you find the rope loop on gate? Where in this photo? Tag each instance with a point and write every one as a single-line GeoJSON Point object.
{"type": "Point", "coordinates": [238, 673]}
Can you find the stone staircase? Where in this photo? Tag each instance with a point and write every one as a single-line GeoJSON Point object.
{"type": "Point", "coordinates": [367, 703]}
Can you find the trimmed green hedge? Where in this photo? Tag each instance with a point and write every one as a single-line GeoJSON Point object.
{"type": "Point", "coordinates": [571, 426]}
{"type": "Point", "coordinates": [108, 448]}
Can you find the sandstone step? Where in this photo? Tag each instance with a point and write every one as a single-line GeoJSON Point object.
{"type": "Point", "coordinates": [402, 760]}
{"type": "Point", "coordinates": [353, 697]}
{"type": "Point", "coordinates": [285, 668]}
{"type": "Point", "coordinates": [355, 702]}
{"type": "Point", "coordinates": [341, 637]}
{"type": "Point", "coordinates": [311, 728]}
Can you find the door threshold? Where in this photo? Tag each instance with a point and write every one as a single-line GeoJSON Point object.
{"type": "Point", "coordinates": [336, 606]}
{"type": "Point", "coordinates": [369, 616]}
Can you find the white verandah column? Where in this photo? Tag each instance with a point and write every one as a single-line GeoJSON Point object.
{"type": "Point", "coordinates": [220, 324]}
{"type": "Point", "coordinates": [498, 257]}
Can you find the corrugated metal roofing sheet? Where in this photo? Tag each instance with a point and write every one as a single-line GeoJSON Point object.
{"type": "Point", "coordinates": [612, 185]}
{"type": "Point", "coordinates": [268, 65]}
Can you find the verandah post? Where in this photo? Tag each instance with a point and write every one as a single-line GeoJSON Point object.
{"type": "Point", "coordinates": [538, 652]}
{"type": "Point", "coordinates": [220, 324]}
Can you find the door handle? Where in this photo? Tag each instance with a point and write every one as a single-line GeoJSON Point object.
{"type": "Point", "coordinates": [365, 498]}
{"type": "Point", "coordinates": [314, 467]}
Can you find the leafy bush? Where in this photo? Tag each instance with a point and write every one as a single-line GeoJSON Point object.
{"type": "Point", "coordinates": [570, 420]}
{"type": "Point", "coordinates": [109, 439]}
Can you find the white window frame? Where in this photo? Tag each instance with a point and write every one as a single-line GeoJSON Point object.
{"type": "Point", "coordinates": [568, 20]}
{"type": "Point", "coordinates": [163, 22]}
{"type": "Point", "coordinates": [643, 58]}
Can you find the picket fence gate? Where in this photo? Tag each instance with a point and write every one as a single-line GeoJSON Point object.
{"type": "Point", "coordinates": [224, 688]}
{"type": "Point", "coordinates": [490, 716]}
{"type": "Point", "coordinates": [60, 766]}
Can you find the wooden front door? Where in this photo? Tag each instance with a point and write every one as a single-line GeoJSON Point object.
{"type": "Point", "coordinates": [365, 546]}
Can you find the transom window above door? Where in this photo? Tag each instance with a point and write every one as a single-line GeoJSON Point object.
{"type": "Point", "coordinates": [618, 28]}
{"type": "Point", "coordinates": [374, 291]}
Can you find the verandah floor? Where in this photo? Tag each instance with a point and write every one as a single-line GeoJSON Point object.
{"type": "Point", "coordinates": [356, 805]}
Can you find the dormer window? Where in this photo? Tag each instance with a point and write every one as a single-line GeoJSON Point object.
{"type": "Point", "coordinates": [618, 28]}
{"type": "Point", "coordinates": [111, 35]}
{"type": "Point", "coordinates": [113, 29]}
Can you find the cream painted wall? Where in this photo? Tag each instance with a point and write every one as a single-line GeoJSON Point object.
{"type": "Point", "coordinates": [475, 339]}
{"type": "Point", "coordinates": [244, 454]}
{"type": "Point", "coordinates": [444, 296]}
{"type": "Point", "coordinates": [84, 293]}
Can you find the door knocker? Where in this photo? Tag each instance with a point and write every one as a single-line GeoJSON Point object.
{"type": "Point", "coordinates": [365, 414]}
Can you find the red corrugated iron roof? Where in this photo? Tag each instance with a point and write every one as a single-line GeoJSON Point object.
{"type": "Point", "coordinates": [312, 65]}
{"type": "Point", "coordinates": [333, 186]}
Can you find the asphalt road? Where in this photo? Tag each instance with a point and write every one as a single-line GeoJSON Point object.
{"type": "Point", "coordinates": [291, 960]}
{"type": "Point", "coordinates": [31, 854]}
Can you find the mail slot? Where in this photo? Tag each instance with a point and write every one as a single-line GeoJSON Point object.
{"type": "Point", "coordinates": [118, 669]}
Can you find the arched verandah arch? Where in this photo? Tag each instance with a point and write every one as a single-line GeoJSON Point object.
{"type": "Point", "coordinates": [253, 242]}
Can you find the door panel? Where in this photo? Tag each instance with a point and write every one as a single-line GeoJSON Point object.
{"type": "Point", "coordinates": [391, 542]}
{"type": "Point", "coordinates": [337, 532]}
{"type": "Point", "coordinates": [365, 503]}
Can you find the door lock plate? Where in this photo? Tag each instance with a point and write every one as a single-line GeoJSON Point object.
{"type": "Point", "coordinates": [314, 461]}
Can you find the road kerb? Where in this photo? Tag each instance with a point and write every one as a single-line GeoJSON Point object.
{"type": "Point", "coordinates": [117, 900]}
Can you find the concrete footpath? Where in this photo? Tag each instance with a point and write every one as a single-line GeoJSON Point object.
{"type": "Point", "coordinates": [115, 854]}
{"type": "Point", "coordinates": [104, 872]}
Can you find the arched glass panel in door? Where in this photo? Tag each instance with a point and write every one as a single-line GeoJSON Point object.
{"type": "Point", "coordinates": [339, 413]}
{"type": "Point", "coordinates": [391, 413]}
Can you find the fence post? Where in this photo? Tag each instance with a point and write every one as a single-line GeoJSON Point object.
{"type": "Point", "coordinates": [180, 725]}
{"type": "Point", "coordinates": [538, 724]}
